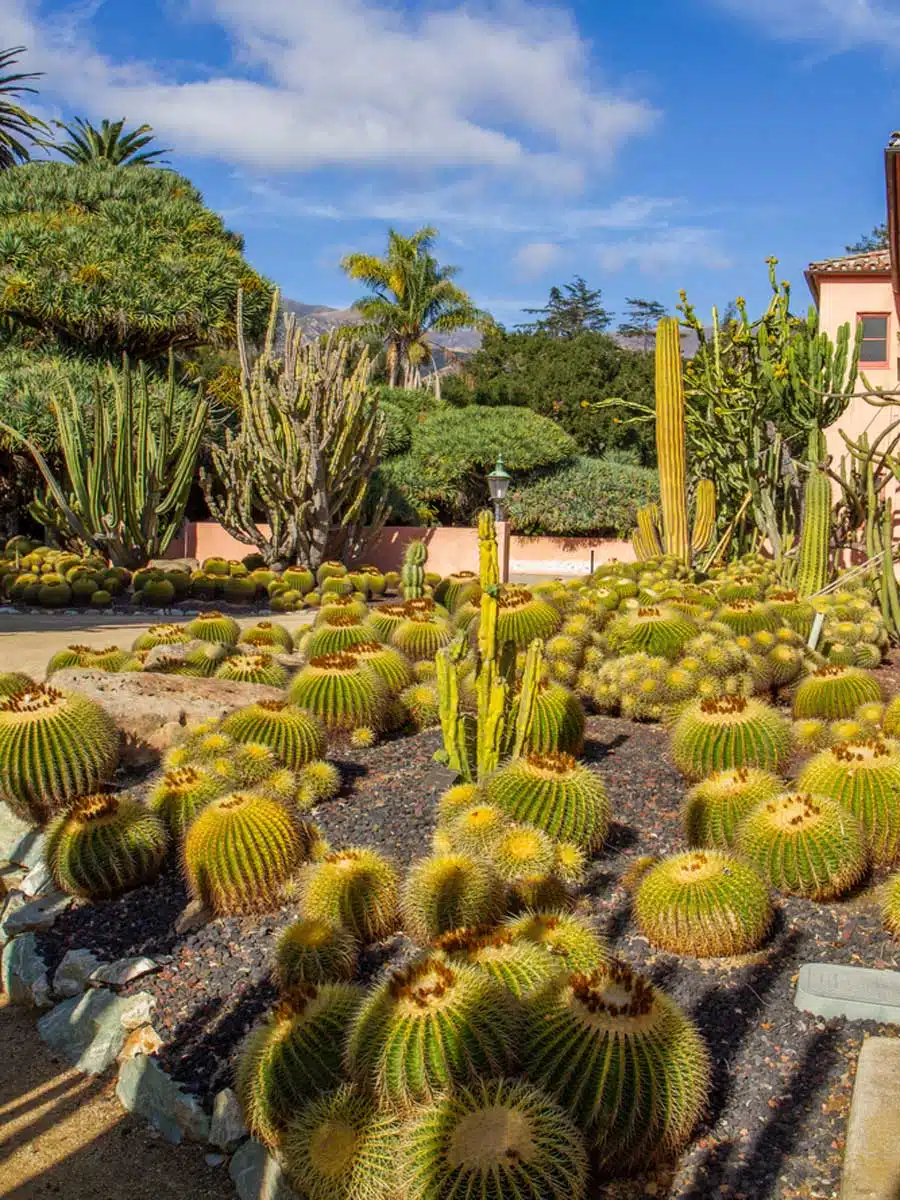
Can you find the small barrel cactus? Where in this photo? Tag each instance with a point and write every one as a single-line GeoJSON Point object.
{"type": "Point", "coordinates": [569, 939]}
{"type": "Point", "coordinates": [622, 1059]}
{"type": "Point", "coordinates": [54, 746]}
{"type": "Point", "coordinates": [104, 845]}
{"type": "Point", "coordinates": [356, 888]}
{"type": "Point", "coordinates": [421, 703]}
{"type": "Point", "coordinates": [319, 781]}
{"type": "Point", "coordinates": [239, 851]}
{"type": "Point", "coordinates": [835, 691]}
{"type": "Point", "coordinates": [214, 627]}
{"type": "Point", "coordinates": [429, 1027]}
{"type": "Point", "coordinates": [519, 965]}
{"type": "Point", "coordinates": [724, 732]}
{"type": "Point", "coordinates": [268, 635]}
{"type": "Point", "coordinates": [296, 1055]}
{"type": "Point", "coordinates": [716, 805]}
{"type": "Point", "coordinates": [447, 891]}
{"type": "Point", "coordinates": [522, 617]}
{"type": "Point", "coordinates": [457, 589]}
{"type": "Point", "coordinates": [385, 618]}
{"type": "Point", "coordinates": [811, 734]}
{"type": "Point", "coordinates": [806, 845]}
{"type": "Point", "coordinates": [314, 951]}
{"type": "Point", "coordinates": [181, 793]}
{"type": "Point", "coordinates": [253, 668]}
{"type": "Point", "coordinates": [456, 799]}
{"type": "Point", "coordinates": [706, 903]}
{"type": "Point", "coordinates": [296, 736]}
{"type": "Point", "coordinates": [865, 777]}
{"type": "Point", "coordinates": [474, 829]}
{"type": "Point", "coordinates": [344, 693]}
{"type": "Point", "coordinates": [110, 658]}
{"type": "Point", "coordinates": [341, 606]}
{"type": "Point", "coordinates": [341, 632]}
{"type": "Point", "coordinates": [890, 906]}
{"type": "Point", "coordinates": [745, 617]}
{"type": "Point", "coordinates": [555, 793]}
{"type": "Point", "coordinates": [651, 630]}
{"type": "Point", "coordinates": [558, 722]}
{"type": "Point", "coordinates": [394, 668]}
{"type": "Point", "coordinates": [421, 634]}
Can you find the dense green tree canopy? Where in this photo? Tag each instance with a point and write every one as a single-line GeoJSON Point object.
{"type": "Point", "coordinates": [102, 260]}
{"type": "Point", "coordinates": [570, 310]}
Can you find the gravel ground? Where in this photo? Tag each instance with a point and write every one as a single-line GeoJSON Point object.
{"type": "Point", "coordinates": [782, 1079]}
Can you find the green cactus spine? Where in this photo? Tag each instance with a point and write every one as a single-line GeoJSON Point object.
{"type": "Point", "coordinates": [344, 693]}
{"type": "Point", "coordinates": [314, 951]}
{"type": "Point", "coordinates": [180, 795]}
{"type": "Point", "coordinates": [518, 965]}
{"type": "Point", "coordinates": [412, 574]}
{"type": "Point", "coordinates": [258, 668]}
{"type": "Point", "coordinates": [815, 535]}
{"type": "Point", "coordinates": [865, 777]}
{"type": "Point", "coordinates": [268, 635]}
{"type": "Point", "coordinates": [355, 888]}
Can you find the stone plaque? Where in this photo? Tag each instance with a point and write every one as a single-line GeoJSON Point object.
{"type": "Point", "coordinates": [857, 993]}
{"type": "Point", "coordinates": [438, 779]}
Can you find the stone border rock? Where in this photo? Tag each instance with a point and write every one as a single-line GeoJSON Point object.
{"type": "Point", "coordinates": [84, 1020]}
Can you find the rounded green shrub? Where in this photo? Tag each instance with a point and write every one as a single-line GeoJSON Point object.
{"type": "Point", "coordinates": [253, 668]}
{"type": "Point", "coordinates": [706, 903]}
{"type": "Point", "coordinates": [622, 1059]}
{"type": "Point", "coordinates": [342, 692]}
{"type": "Point", "coordinates": [214, 627]}
{"type": "Point", "coordinates": [267, 635]}
{"type": "Point", "coordinates": [161, 635]}
{"type": "Point", "coordinates": [239, 851]}
{"type": "Point", "coordinates": [342, 1146]}
{"type": "Point", "coordinates": [715, 806]}
{"type": "Point", "coordinates": [725, 732]}
{"type": "Point", "coordinates": [805, 845]}
{"type": "Point", "coordinates": [651, 630]}
{"type": "Point", "coordinates": [421, 634]}
{"type": "Point", "coordinates": [180, 795]}
{"type": "Point", "coordinates": [54, 746]}
{"type": "Point", "coordinates": [429, 1027]}
{"type": "Point", "coordinates": [571, 941]}
{"type": "Point", "coordinates": [341, 632]}
{"type": "Point", "coordinates": [296, 736]}
{"type": "Point", "coordinates": [295, 1056]}
{"type": "Point", "coordinates": [518, 965]}
{"type": "Point", "coordinates": [558, 723]}
{"type": "Point", "coordinates": [447, 891]}
{"type": "Point", "coordinates": [355, 888]}
{"type": "Point", "coordinates": [555, 793]}
{"type": "Point", "coordinates": [314, 951]}
{"type": "Point", "coordinates": [834, 691]}
{"type": "Point", "coordinates": [500, 1140]}
{"type": "Point", "coordinates": [103, 846]}
{"type": "Point", "coordinates": [865, 777]}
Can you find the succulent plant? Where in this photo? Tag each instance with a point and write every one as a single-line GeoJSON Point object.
{"type": "Point", "coordinates": [864, 776]}
{"type": "Point", "coordinates": [891, 719]}
{"type": "Point", "coordinates": [341, 1146]}
{"type": "Point", "coordinates": [105, 844]}
{"type": "Point", "coordinates": [725, 732]}
{"type": "Point", "coordinates": [314, 951]}
{"type": "Point", "coordinates": [558, 722]}
{"type": "Point", "coordinates": [811, 734]}
{"type": "Point", "coordinates": [111, 658]}
{"type": "Point", "coordinates": [54, 746]}
{"type": "Point", "coordinates": [555, 793]}
{"type": "Point", "coordinates": [867, 656]}
{"type": "Point", "coordinates": [522, 852]}
{"type": "Point", "coordinates": [421, 703]}
{"type": "Point", "coordinates": [805, 844]}
{"type": "Point", "coordinates": [239, 850]}
{"type": "Point", "coordinates": [421, 633]}
{"type": "Point", "coordinates": [651, 630]}
{"type": "Point", "coordinates": [516, 964]}
{"type": "Point", "coordinates": [180, 795]}
{"type": "Point", "coordinates": [835, 691]}
{"type": "Point", "coordinates": [457, 799]}
{"type": "Point", "coordinates": [622, 1059]}
{"type": "Point", "coordinates": [385, 619]}
{"type": "Point", "coordinates": [747, 616]}
{"type": "Point", "coordinates": [870, 716]}
{"type": "Point", "coordinates": [267, 634]}
{"type": "Point", "coordinates": [341, 606]}
{"type": "Point", "coordinates": [203, 743]}
{"type": "Point", "coordinates": [161, 635]}
{"type": "Point", "coordinates": [569, 939]}
{"type": "Point", "coordinates": [355, 888]}
{"type": "Point", "coordinates": [253, 668]}
{"type": "Point", "coordinates": [363, 737]}
{"type": "Point", "coordinates": [342, 692]}
{"type": "Point", "coordinates": [890, 906]}
{"type": "Point", "coordinates": [300, 579]}
{"type": "Point", "coordinates": [394, 668]}
{"type": "Point", "coordinates": [214, 627]}
{"type": "Point", "coordinates": [296, 736]}
{"type": "Point", "coordinates": [342, 632]}
{"type": "Point", "coordinates": [715, 806]}
{"type": "Point", "coordinates": [522, 617]}
{"type": "Point", "coordinates": [14, 681]}
{"type": "Point", "coordinates": [457, 589]}
{"type": "Point", "coordinates": [473, 830]}
{"type": "Point", "coordinates": [447, 891]}
{"type": "Point", "coordinates": [319, 781]}
{"type": "Point", "coordinates": [295, 1056]}
{"type": "Point", "coordinates": [706, 903]}
{"type": "Point", "coordinates": [430, 1026]}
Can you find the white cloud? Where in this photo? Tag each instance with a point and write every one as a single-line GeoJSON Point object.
{"type": "Point", "coordinates": [840, 24]}
{"type": "Point", "coordinates": [361, 83]}
{"type": "Point", "coordinates": [664, 251]}
{"type": "Point", "coordinates": [536, 258]}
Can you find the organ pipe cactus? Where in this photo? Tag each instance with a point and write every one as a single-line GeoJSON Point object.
{"type": "Point", "coordinates": [815, 535]}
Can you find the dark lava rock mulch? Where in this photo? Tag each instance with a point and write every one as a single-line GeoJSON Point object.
{"type": "Point", "coordinates": [782, 1079]}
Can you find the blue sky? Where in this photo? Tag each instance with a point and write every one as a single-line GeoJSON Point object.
{"type": "Point", "coordinates": [648, 145]}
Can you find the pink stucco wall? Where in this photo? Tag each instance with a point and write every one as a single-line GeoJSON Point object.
{"type": "Point", "coordinates": [449, 549]}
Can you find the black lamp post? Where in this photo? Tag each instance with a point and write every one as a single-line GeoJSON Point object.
{"type": "Point", "coordinates": [498, 482]}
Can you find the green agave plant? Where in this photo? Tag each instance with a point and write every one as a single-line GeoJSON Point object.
{"type": "Point", "coordinates": [835, 691]}
{"type": "Point", "coordinates": [267, 634]}
{"type": "Point", "coordinates": [180, 795]}
{"type": "Point", "coordinates": [446, 891]}
{"type": "Point", "coordinates": [344, 693]}
{"type": "Point", "coordinates": [651, 630]}
{"type": "Point", "coordinates": [104, 845]}
{"type": "Point", "coordinates": [805, 845]}
{"type": "Point", "coordinates": [214, 627]}
{"type": "Point", "coordinates": [296, 1055]}
{"type": "Point", "coordinates": [239, 851]}
{"type": "Point", "coordinates": [54, 746]}
{"type": "Point", "coordinates": [555, 793]}
{"type": "Point", "coordinates": [354, 888]}
{"type": "Point", "coordinates": [314, 951]}
{"type": "Point", "coordinates": [253, 668]}
{"type": "Point", "coordinates": [725, 732]}
{"type": "Point", "coordinates": [706, 903]}
{"type": "Point", "coordinates": [865, 777]}
{"type": "Point", "coordinates": [622, 1059]}
{"type": "Point", "coordinates": [572, 942]}
{"type": "Point", "coordinates": [716, 805]}
{"type": "Point", "coordinates": [296, 736]}
{"type": "Point", "coordinates": [343, 1147]}
{"type": "Point", "coordinates": [498, 1140]}
{"type": "Point", "coordinates": [519, 965]}
{"type": "Point", "coordinates": [428, 1027]}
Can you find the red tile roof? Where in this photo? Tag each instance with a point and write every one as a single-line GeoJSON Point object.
{"type": "Point", "coordinates": [849, 264]}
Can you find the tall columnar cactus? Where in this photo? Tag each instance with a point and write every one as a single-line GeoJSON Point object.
{"type": "Point", "coordinates": [704, 515]}
{"type": "Point", "coordinates": [815, 535]}
{"type": "Point", "coordinates": [412, 575]}
{"type": "Point", "coordinates": [670, 439]}
{"type": "Point", "coordinates": [476, 746]}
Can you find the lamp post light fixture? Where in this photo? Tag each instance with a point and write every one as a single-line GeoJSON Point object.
{"type": "Point", "coordinates": [498, 482]}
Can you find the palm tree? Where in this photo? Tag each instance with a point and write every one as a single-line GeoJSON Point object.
{"type": "Point", "coordinates": [411, 297]}
{"type": "Point", "coordinates": [18, 127]}
{"type": "Point", "coordinates": [109, 143]}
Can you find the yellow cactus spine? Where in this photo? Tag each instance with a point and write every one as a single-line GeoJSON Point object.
{"type": "Point", "coordinates": [670, 439]}
{"type": "Point", "coordinates": [648, 525]}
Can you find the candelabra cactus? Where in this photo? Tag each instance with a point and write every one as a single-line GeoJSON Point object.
{"type": "Point", "coordinates": [412, 574]}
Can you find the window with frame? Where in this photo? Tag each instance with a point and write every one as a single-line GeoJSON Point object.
{"type": "Point", "coordinates": [874, 349]}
